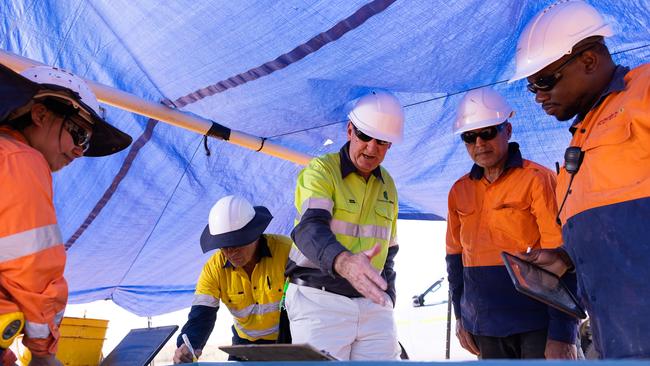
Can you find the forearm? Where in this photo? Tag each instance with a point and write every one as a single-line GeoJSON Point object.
{"type": "Point", "coordinates": [316, 240]}
{"type": "Point", "coordinates": [198, 328]}
{"type": "Point", "coordinates": [36, 285]}
{"type": "Point", "coordinates": [455, 278]}
{"type": "Point", "coordinates": [389, 274]}
{"type": "Point", "coordinates": [563, 327]}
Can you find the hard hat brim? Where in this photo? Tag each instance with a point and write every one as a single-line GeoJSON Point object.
{"type": "Point", "coordinates": [16, 91]}
{"type": "Point", "coordinates": [240, 237]}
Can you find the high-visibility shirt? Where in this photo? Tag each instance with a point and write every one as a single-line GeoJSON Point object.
{"type": "Point", "coordinates": [514, 212]}
{"type": "Point", "coordinates": [32, 256]}
{"type": "Point", "coordinates": [606, 215]}
{"type": "Point", "coordinates": [338, 210]}
{"type": "Point", "coordinates": [254, 301]}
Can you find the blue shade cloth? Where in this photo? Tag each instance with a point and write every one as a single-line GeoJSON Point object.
{"type": "Point", "coordinates": [283, 70]}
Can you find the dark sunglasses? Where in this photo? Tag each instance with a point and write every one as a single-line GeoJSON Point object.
{"type": "Point", "coordinates": [365, 138]}
{"type": "Point", "coordinates": [548, 82]}
{"type": "Point", "coordinates": [485, 134]}
{"type": "Point", "coordinates": [80, 135]}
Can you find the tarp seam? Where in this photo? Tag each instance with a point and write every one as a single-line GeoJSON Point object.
{"type": "Point", "coordinates": [298, 53]}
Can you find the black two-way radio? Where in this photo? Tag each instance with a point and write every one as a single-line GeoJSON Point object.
{"type": "Point", "coordinates": [572, 160]}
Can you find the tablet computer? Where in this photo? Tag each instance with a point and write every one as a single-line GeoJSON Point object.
{"type": "Point", "coordinates": [140, 346]}
{"type": "Point", "coordinates": [277, 352]}
{"type": "Point", "coordinates": [542, 285]}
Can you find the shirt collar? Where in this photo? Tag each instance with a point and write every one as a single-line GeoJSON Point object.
{"type": "Point", "coordinates": [262, 251]}
{"type": "Point", "coordinates": [6, 130]}
{"type": "Point", "coordinates": [347, 167]}
{"type": "Point", "coordinates": [514, 161]}
{"type": "Point", "coordinates": [615, 85]}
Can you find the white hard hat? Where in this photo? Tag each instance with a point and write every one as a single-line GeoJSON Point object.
{"type": "Point", "coordinates": [55, 76]}
{"type": "Point", "coordinates": [552, 34]}
{"type": "Point", "coordinates": [379, 115]}
{"type": "Point", "coordinates": [58, 83]}
{"type": "Point", "coordinates": [480, 108]}
{"type": "Point", "coordinates": [234, 222]}
{"type": "Point", "coordinates": [229, 214]}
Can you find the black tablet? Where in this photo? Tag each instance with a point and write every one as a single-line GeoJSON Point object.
{"type": "Point", "coordinates": [542, 285]}
{"type": "Point", "coordinates": [140, 346]}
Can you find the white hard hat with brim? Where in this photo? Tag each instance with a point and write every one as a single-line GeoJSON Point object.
{"type": "Point", "coordinates": [241, 236]}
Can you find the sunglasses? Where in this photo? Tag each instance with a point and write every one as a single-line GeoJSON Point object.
{"type": "Point", "coordinates": [485, 134]}
{"type": "Point", "coordinates": [548, 82]}
{"type": "Point", "coordinates": [80, 135]}
{"type": "Point", "coordinates": [365, 138]}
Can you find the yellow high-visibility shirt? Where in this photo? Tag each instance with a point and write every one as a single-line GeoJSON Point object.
{"type": "Point", "coordinates": [253, 302]}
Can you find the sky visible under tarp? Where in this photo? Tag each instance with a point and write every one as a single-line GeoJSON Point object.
{"type": "Point", "coordinates": [282, 70]}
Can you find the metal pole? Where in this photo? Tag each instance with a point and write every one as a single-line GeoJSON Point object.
{"type": "Point", "coordinates": [157, 111]}
{"type": "Point", "coordinates": [447, 349]}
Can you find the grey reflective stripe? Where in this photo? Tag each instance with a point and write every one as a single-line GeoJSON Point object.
{"type": "Point", "coordinates": [205, 300]}
{"type": "Point", "coordinates": [359, 231]}
{"type": "Point", "coordinates": [256, 309]}
{"type": "Point", "coordinates": [296, 255]}
{"type": "Point", "coordinates": [37, 330]}
{"type": "Point", "coordinates": [28, 242]}
{"type": "Point", "coordinates": [58, 317]}
{"type": "Point", "coordinates": [313, 202]}
{"type": "Point", "coordinates": [257, 333]}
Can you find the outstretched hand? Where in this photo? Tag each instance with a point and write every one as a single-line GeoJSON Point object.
{"type": "Point", "coordinates": [356, 268]}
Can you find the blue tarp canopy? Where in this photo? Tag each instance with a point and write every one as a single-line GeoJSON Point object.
{"type": "Point", "coordinates": [283, 70]}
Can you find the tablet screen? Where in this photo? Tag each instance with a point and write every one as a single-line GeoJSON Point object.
{"type": "Point", "coordinates": [140, 346]}
{"type": "Point", "coordinates": [541, 285]}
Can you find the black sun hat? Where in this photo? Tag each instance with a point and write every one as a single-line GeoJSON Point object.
{"type": "Point", "coordinates": [19, 91]}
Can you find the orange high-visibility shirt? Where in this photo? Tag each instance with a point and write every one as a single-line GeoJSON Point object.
{"type": "Point", "coordinates": [615, 138]}
{"type": "Point", "coordinates": [514, 212]}
{"type": "Point", "coordinates": [32, 256]}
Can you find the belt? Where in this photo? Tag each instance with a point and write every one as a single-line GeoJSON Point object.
{"type": "Point", "coordinates": [300, 282]}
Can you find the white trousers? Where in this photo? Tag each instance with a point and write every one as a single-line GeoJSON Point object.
{"type": "Point", "coordinates": [346, 328]}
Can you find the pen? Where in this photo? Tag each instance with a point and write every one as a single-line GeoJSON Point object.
{"type": "Point", "coordinates": [189, 345]}
{"type": "Point", "coordinates": [268, 282]}
{"type": "Point", "coordinates": [284, 293]}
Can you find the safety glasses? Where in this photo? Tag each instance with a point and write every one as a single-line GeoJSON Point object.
{"type": "Point", "coordinates": [485, 134]}
{"type": "Point", "coordinates": [548, 82]}
{"type": "Point", "coordinates": [365, 138]}
{"type": "Point", "coordinates": [80, 135]}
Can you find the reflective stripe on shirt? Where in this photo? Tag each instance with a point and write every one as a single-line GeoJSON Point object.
{"type": "Point", "coordinates": [359, 231]}
{"type": "Point", "coordinates": [205, 300]}
{"type": "Point", "coordinates": [37, 330]}
{"type": "Point", "coordinates": [315, 202]}
{"type": "Point", "coordinates": [256, 309]}
{"type": "Point", "coordinates": [300, 259]}
{"type": "Point", "coordinates": [28, 242]}
{"type": "Point", "coordinates": [256, 333]}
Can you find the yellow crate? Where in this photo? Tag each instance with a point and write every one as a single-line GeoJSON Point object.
{"type": "Point", "coordinates": [80, 343]}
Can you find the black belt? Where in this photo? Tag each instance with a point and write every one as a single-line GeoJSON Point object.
{"type": "Point", "coordinates": [300, 282]}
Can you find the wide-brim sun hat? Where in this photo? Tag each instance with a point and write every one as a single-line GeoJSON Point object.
{"type": "Point", "coordinates": [19, 91]}
{"type": "Point", "coordinates": [233, 222]}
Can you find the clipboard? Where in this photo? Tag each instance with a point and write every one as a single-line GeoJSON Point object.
{"type": "Point", "coordinates": [277, 352]}
{"type": "Point", "coordinates": [542, 285]}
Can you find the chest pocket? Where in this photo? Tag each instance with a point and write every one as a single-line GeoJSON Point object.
{"type": "Point", "coordinates": [235, 300]}
{"type": "Point", "coordinates": [346, 207]}
{"type": "Point", "coordinates": [615, 141]}
{"type": "Point", "coordinates": [516, 222]}
{"type": "Point", "coordinates": [385, 214]}
{"type": "Point", "coordinates": [468, 225]}
{"type": "Point", "coordinates": [612, 132]}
